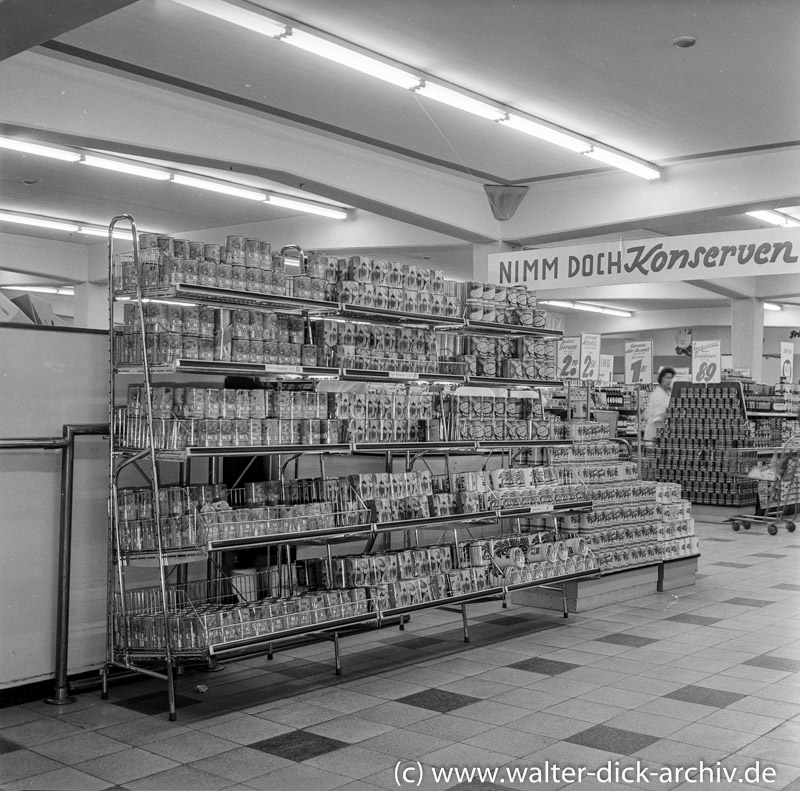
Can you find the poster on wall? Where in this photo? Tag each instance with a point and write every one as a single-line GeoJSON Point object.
{"type": "Point", "coordinates": [590, 357]}
{"type": "Point", "coordinates": [706, 362]}
{"type": "Point", "coordinates": [606, 368]}
{"type": "Point", "coordinates": [569, 357]}
{"type": "Point", "coordinates": [787, 361]}
{"type": "Point", "coordinates": [638, 362]}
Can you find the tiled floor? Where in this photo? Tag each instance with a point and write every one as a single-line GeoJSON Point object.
{"type": "Point", "coordinates": [710, 672]}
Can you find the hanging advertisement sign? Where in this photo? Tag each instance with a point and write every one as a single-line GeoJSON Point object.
{"type": "Point", "coordinates": [772, 251]}
{"type": "Point", "coordinates": [606, 367]}
{"type": "Point", "coordinates": [706, 362]}
{"type": "Point", "coordinates": [569, 357]}
{"type": "Point", "coordinates": [787, 361]}
{"type": "Point", "coordinates": [638, 362]}
{"type": "Point", "coordinates": [590, 357]}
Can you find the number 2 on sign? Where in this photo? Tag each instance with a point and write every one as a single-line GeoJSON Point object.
{"type": "Point", "coordinates": [588, 367]}
{"type": "Point", "coordinates": [705, 372]}
{"type": "Point", "coordinates": [636, 371]}
{"type": "Point", "coordinates": [570, 367]}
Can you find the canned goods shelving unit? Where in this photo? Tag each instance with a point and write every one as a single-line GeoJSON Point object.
{"type": "Point", "coordinates": [170, 522]}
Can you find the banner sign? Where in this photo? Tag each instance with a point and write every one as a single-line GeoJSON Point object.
{"type": "Point", "coordinates": [606, 367]}
{"type": "Point", "coordinates": [638, 362]}
{"type": "Point", "coordinates": [569, 357]}
{"type": "Point", "coordinates": [787, 361]}
{"type": "Point", "coordinates": [706, 362]}
{"type": "Point", "coordinates": [772, 251]}
{"type": "Point", "coordinates": [590, 357]}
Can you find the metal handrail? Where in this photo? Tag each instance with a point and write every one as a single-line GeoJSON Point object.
{"type": "Point", "coordinates": [66, 444]}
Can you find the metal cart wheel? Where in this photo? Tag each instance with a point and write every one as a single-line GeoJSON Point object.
{"type": "Point", "coordinates": [790, 526]}
{"type": "Point", "coordinates": [746, 525]}
{"type": "Point", "coordinates": [772, 529]}
{"type": "Point", "coordinates": [735, 527]}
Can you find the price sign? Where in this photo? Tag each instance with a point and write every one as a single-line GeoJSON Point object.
{"type": "Point", "coordinates": [284, 369]}
{"type": "Point", "coordinates": [638, 362]}
{"type": "Point", "coordinates": [787, 361]}
{"type": "Point", "coordinates": [706, 362]}
{"type": "Point", "coordinates": [569, 358]}
{"type": "Point", "coordinates": [403, 375]}
{"type": "Point", "coordinates": [606, 367]}
{"type": "Point", "coordinates": [590, 357]}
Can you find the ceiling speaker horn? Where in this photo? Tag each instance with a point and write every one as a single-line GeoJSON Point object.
{"type": "Point", "coordinates": [504, 200]}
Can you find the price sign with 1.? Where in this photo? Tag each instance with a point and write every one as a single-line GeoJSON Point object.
{"type": "Point", "coordinates": [638, 362]}
{"type": "Point", "coordinates": [706, 362]}
{"type": "Point", "coordinates": [590, 357]}
{"type": "Point", "coordinates": [569, 358]}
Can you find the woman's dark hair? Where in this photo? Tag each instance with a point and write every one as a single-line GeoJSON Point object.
{"type": "Point", "coordinates": [663, 372]}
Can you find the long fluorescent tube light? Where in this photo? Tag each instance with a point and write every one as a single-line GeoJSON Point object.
{"type": "Point", "coordinates": [68, 291]}
{"type": "Point", "coordinates": [35, 148]}
{"type": "Point", "coordinates": [238, 13]}
{"type": "Point", "coordinates": [219, 186]}
{"type": "Point", "coordinates": [772, 306]}
{"type": "Point", "coordinates": [351, 58]}
{"type": "Point", "coordinates": [460, 101]}
{"type": "Point", "coordinates": [39, 222]}
{"type": "Point", "coordinates": [311, 208]}
{"type": "Point", "coordinates": [584, 306]}
{"type": "Point", "coordinates": [774, 218]}
{"type": "Point", "coordinates": [546, 133]}
{"type": "Point", "coordinates": [648, 172]}
{"type": "Point", "coordinates": [118, 234]}
{"type": "Point", "coordinates": [121, 166]}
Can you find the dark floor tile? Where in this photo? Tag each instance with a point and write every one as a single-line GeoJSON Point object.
{"type": "Point", "coordinates": [301, 669]}
{"type": "Point", "coordinates": [767, 555]}
{"type": "Point", "coordinates": [731, 565]}
{"type": "Point", "coordinates": [155, 703]}
{"type": "Point", "coordinates": [774, 663]}
{"type": "Point", "coordinates": [718, 539]}
{"type": "Point", "coordinates": [743, 602]}
{"type": "Point", "coordinates": [438, 700]}
{"type": "Point", "coordinates": [787, 586]}
{"type": "Point", "coordinates": [7, 746]}
{"type": "Point", "coordinates": [705, 696]}
{"type": "Point", "coordinates": [698, 620]}
{"type": "Point", "coordinates": [298, 745]}
{"type": "Point", "coordinates": [612, 740]}
{"type": "Point", "coordinates": [622, 638]}
{"type": "Point", "coordinates": [548, 667]}
{"type": "Point", "coordinates": [415, 643]}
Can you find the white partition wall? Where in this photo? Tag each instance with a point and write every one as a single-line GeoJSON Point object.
{"type": "Point", "coordinates": [48, 378]}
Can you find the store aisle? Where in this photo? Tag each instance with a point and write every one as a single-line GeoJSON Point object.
{"type": "Point", "coordinates": [712, 673]}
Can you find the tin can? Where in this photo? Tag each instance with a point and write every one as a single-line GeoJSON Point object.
{"type": "Point", "coordinates": [191, 272]}
{"type": "Point", "coordinates": [165, 245]}
{"type": "Point", "coordinates": [148, 240]}
{"type": "Point", "coordinates": [197, 251]}
{"type": "Point", "coordinates": [224, 275]}
{"type": "Point", "coordinates": [211, 252]}
{"type": "Point", "coordinates": [191, 347]}
{"type": "Point", "coordinates": [207, 274]}
{"type": "Point", "coordinates": [180, 248]}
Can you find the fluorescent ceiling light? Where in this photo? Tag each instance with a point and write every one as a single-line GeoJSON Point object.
{"type": "Point", "coordinates": [67, 291]}
{"type": "Point", "coordinates": [772, 306]}
{"type": "Point", "coordinates": [118, 234]}
{"type": "Point", "coordinates": [774, 218]}
{"type": "Point", "coordinates": [121, 166]}
{"type": "Point", "coordinates": [39, 222]}
{"type": "Point", "coordinates": [351, 58]}
{"type": "Point", "coordinates": [588, 308]}
{"type": "Point", "coordinates": [622, 162]}
{"type": "Point", "coordinates": [546, 133]}
{"type": "Point", "coordinates": [311, 208]}
{"type": "Point", "coordinates": [238, 13]}
{"type": "Point", "coordinates": [460, 101]}
{"type": "Point", "coordinates": [219, 186]}
{"type": "Point", "coordinates": [35, 148]}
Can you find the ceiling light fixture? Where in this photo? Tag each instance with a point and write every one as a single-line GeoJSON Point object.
{"type": "Point", "coordinates": [67, 291]}
{"type": "Point", "coordinates": [88, 230]}
{"type": "Point", "coordinates": [238, 13]}
{"type": "Point", "coordinates": [623, 162]}
{"type": "Point", "coordinates": [774, 218]}
{"type": "Point", "coordinates": [312, 208]}
{"type": "Point", "coordinates": [64, 154]}
{"type": "Point", "coordinates": [219, 186]}
{"type": "Point", "coordinates": [547, 133]}
{"type": "Point", "coordinates": [346, 56]}
{"type": "Point", "coordinates": [39, 222]}
{"type": "Point", "coordinates": [625, 314]}
{"type": "Point", "coordinates": [460, 101]}
{"type": "Point", "coordinates": [772, 306]}
{"type": "Point", "coordinates": [123, 166]}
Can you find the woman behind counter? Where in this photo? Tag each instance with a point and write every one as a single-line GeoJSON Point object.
{"type": "Point", "coordinates": [659, 401]}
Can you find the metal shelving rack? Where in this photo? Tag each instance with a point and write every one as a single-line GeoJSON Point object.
{"type": "Point", "coordinates": [163, 663]}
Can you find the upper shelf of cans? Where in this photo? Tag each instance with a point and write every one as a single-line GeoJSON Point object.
{"type": "Point", "coordinates": [245, 272]}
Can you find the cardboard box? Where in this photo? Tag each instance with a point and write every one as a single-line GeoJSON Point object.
{"type": "Point", "coordinates": [11, 313]}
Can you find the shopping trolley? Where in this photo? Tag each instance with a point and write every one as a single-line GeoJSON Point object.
{"type": "Point", "coordinates": [776, 471]}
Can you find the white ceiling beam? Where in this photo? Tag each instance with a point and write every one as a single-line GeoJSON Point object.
{"type": "Point", "coordinates": [30, 257]}
{"type": "Point", "coordinates": [731, 288]}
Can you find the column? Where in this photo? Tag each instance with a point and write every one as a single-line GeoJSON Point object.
{"type": "Point", "coordinates": [747, 335]}
{"type": "Point", "coordinates": [91, 306]}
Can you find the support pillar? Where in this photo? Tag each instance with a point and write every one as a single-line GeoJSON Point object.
{"type": "Point", "coordinates": [747, 335]}
{"type": "Point", "coordinates": [91, 306]}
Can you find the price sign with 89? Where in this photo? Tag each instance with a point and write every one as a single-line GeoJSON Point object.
{"type": "Point", "coordinates": [705, 372]}
{"type": "Point", "coordinates": [706, 360]}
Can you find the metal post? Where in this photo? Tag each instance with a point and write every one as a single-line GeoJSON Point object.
{"type": "Point", "coordinates": [337, 655]}
{"type": "Point", "coordinates": [464, 622]}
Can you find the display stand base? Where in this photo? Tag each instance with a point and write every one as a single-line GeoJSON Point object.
{"type": "Point", "coordinates": [590, 594]}
{"type": "Point", "coordinates": [677, 574]}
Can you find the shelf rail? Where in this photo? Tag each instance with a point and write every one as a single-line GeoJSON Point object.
{"type": "Point", "coordinates": [66, 444]}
